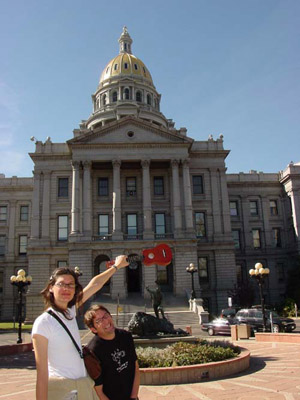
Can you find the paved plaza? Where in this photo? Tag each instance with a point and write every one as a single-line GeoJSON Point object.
{"type": "Point", "coordinates": [274, 373]}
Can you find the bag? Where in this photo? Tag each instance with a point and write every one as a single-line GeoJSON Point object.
{"type": "Point", "coordinates": [92, 363]}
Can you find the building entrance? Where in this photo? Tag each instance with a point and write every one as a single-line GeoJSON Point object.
{"type": "Point", "coordinates": [134, 271]}
{"type": "Point", "coordinates": [100, 266]}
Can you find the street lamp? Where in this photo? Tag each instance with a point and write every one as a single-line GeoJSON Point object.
{"type": "Point", "coordinates": [20, 281]}
{"type": "Point", "coordinates": [191, 269]}
{"type": "Point", "coordinates": [259, 273]}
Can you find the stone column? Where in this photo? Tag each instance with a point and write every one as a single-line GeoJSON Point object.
{"type": "Point", "coordinates": [35, 220]}
{"type": "Point", "coordinates": [117, 225]}
{"type": "Point", "coordinates": [75, 199]}
{"type": "Point", "coordinates": [267, 240]}
{"type": "Point", "coordinates": [215, 203]}
{"type": "Point", "coordinates": [176, 198]}
{"type": "Point", "coordinates": [225, 205]}
{"type": "Point", "coordinates": [87, 199]}
{"type": "Point", "coordinates": [11, 228]}
{"type": "Point", "coordinates": [187, 195]}
{"type": "Point", "coordinates": [46, 206]}
{"type": "Point", "coordinates": [148, 232]}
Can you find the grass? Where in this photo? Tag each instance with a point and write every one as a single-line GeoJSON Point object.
{"type": "Point", "coordinates": [10, 325]}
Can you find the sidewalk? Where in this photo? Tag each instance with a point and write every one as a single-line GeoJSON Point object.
{"type": "Point", "coordinates": [274, 373]}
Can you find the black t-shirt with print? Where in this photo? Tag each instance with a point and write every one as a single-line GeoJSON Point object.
{"type": "Point", "coordinates": [117, 359]}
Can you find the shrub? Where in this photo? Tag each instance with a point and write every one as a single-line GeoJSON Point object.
{"type": "Point", "coordinates": [182, 353]}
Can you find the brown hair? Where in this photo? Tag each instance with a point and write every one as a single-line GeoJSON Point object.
{"type": "Point", "coordinates": [91, 312]}
{"type": "Point", "coordinates": [48, 296]}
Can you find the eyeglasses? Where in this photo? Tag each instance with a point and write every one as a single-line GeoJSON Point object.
{"type": "Point", "coordinates": [65, 285]}
{"type": "Point", "coordinates": [100, 320]}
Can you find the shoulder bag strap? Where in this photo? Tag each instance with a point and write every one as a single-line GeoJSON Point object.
{"type": "Point", "coordinates": [67, 330]}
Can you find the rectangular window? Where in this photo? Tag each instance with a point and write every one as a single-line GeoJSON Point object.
{"type": "Point", "coordinates": [200, 224]}
{"type": "Point", "coordinates": [2, 245]}
{"type": "Point", "coordinates": [3, 213]}
{"type": "Point", "coordinates": [233, 208]}
{"type": "Point", "coordinates": [158, 185]}
{"type": "Point", "coordinates": [63, 227]}
{"type": "Point", "coordinates": [203, 269]}
{"type": "Point", "coordinates": [62, 264]}
{"type": "Point", "coordinates": [160, 224]}
{"type": "Point", "coordinates": [253, 208]}
{"type": "Point", "coordinates": [197, 184]}
{"type": "Point", "coordinates": [280, 272]}
{"type": "Point", "coordinates": [132, 225]}
{"type": "Point", "coordinates": [63, 187]}
{"type": "Point", "coordinates": [23, 244]}
{"type": "Point", "coordinates": [236, 238]}
{"type": "Point", "coordinates": [103, 187]}
{"type": "Point", "coordinates": [273, 207]}
{"type": "Point", "coordinates": [256, 238]}
{"type": "Point", "coordinates": [103, 224]}
{"type": "Point", "coordinates": [131, 186]}
{"type": "Point", "coordinates": [24, 213]}
{"type": "Point", "coordinates": [276, 236]}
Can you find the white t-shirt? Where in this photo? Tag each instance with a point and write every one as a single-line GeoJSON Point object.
{"type": "Point", "coordinates": [63, 358]}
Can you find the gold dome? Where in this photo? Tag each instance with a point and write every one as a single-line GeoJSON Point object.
{"type": "Point", "coordinates": [125, 64]}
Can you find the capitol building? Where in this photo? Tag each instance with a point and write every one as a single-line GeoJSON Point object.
{"type": "Point", "coordinates": [129, 180]}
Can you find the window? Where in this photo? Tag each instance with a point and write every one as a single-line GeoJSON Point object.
{"type": "Point", "coordinates": [280, 272]}
{"type": "Point", "coordinates": [273, 207]}
{"type": "Point", "coordinates": [253, 208]}
{"type": "Point", "coordinates": [197, 184]}
{"type": "Point", "coordinates": [63, 187]}
{"type": "Point", "coordinates": [3, 213]}
{"type": "Point", "coordinates": [135, 67]}
{"type": "Point", "coordinates": [115, 67]}
{"type": "Point", "coordinates": [62, 264]}
{"type": "Point", "coordinates": [233, 205]}
{"type": "Point", "coordinates": [236, 238]}
{"type": "Point", "coordinates": [103, 224]}
{"type": "Point", "coordinates": [256, 238]}
{"type": "Point", "coordinates": [131, 186]}
{"type": "Point", "coordinates": [24, 211]}
{"type": "Point", "coordinates": [104, 99]}
{"type": "Point", "coordinates": [2, 245]}
{"type": "Point", "coordinates": [23, 244]}
{"type": "Point", "coordinates": [138, 96]}
{"type": "Point", "coordinates": [160, 224]}
{"type": "Point", "coordinates": [63, 223]}
{"type": "Point", "coordinates": [158, 185]}
{"type": "Point", "coordinates": [149, 99]}
{"type": "Point", "coordinates": [239, 273]}
{"type": "Point", "coordinates": [132, 225]}
{"type": "Point", "coordinates": [276, 236]}
{"type": "Point", "coordinates": [125, 65]}
{"type": "Point", "coordinates": [114, 97]}
{"type": "Point", "coordinates": [200, 224]}
{"type": "Point", "coordinates": [126, 94]}
{"type": "Point", "coordinates": [103, 187]}
{"type": "Point", "coordinates": [203, 269]}
{"type": "Point", "coordinates": [161, 275]}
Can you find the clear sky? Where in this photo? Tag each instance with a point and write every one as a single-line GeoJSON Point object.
{"type": "Point", "coordinates": [222, 66]}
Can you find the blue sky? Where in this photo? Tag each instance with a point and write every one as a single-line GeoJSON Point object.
{"type": "Point", "coordinates": [222, 66]}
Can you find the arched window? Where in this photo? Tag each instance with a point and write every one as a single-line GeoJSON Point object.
{"type": "Point", "coordinates": [149, 99]}
{"type": "Point", "coordinates": [126, 94]}
{"type": "Point", "coordinates": [138, 96]}
{"type": "Point", "coordinates": [104, 99]}
{"type": "Point", "coordinates": [114, 96]}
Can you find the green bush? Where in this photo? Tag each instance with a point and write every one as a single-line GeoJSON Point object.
{"type": "Point", "coordinates": [182, 353]}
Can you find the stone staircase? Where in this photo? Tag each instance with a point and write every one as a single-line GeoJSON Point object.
{"type": "Point", "coordinates": [176, 310]}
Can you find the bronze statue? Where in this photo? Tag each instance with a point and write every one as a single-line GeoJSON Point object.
{"type": "Point", "coordinates": [156, 297]}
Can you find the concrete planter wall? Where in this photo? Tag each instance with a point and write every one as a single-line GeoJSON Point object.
{"type": "Point", "coordinates": [195, 373]}
{"type": "Point", "coordinates": [278, 337]}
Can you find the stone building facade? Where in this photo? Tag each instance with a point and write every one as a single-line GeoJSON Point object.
{"type": "Point", "coordinates": [128, 181]}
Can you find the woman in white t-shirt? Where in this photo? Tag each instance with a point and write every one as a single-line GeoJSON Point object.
{"type": "Point", "coordinates": [60, 369]}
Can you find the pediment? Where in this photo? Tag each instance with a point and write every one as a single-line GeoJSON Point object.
{"type": "Point", "coordinates": [130, 131]}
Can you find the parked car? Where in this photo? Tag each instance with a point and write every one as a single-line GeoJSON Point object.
{"type": "Point", "coordinates": [254, 318]}
{"type": "Point", "coordinates": [218, 326]}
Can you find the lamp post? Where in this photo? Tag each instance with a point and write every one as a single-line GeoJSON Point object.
{"type": "Point", "coordinates": [191, 269]}
{"type": "Point", "coordinates": [259, 273]}
{"type": "Point", "coordinates": [20, 281]}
